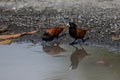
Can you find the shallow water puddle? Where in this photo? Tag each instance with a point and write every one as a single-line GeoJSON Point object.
{"type": "Point", "coordinates": [64, 62]}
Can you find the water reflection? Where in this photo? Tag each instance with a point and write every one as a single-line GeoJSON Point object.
{"type": "Point", "coordinates": [53, 49]}
{"type": "Point", "coordinates": [77, 56]}
{"type": "Point", "coordinates": [20, 62]}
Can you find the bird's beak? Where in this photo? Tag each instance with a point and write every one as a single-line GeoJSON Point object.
{"type": "Point", "coordinates": [67, 24]}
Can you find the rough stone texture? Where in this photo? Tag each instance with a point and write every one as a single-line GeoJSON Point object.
{"type": "Point", "coordinates": [102, 16]}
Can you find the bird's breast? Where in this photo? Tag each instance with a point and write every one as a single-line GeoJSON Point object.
{"type": "Point", "coordinates": [72, 32]}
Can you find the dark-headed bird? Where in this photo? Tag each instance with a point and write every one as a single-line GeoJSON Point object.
{"type": "Point", "coordinates": [51, 33]}
{"type": "Point", "coordinates": [76, 33]}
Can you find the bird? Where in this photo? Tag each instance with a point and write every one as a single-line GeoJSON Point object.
{"type": "Point", "coordinates": [76, 33]}
{"type": "Point", "coordinates": [53, 32]}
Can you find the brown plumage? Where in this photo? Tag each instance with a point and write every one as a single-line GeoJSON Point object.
{"type": "Point", "coordinates": [76, 33]}
{"type": "Point", "coordinates": [51, 33]}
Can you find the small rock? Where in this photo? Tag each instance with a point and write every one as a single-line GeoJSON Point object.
{"type": "Point", "coordinates": [101, 62]}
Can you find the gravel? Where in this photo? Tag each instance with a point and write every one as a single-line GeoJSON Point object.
{"type": "Point", "coordinates": [104, 22]}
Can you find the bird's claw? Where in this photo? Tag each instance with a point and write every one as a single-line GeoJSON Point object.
{"type": "Point", "coordinates": [72, 43]}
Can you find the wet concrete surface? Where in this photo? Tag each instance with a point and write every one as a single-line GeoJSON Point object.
{"type": "Point", "coordinates": [26, 61]}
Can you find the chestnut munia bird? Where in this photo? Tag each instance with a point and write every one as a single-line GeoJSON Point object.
{"type": "Point", "coordinates": [51, 33]}
{"type": "Point", "coordinates": [76, 33]}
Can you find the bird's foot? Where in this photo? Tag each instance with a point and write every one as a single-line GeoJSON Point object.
{"type": "Point", "coordinates": [83, 40]}
{"type": "Point", "coordinates": [72, 43]}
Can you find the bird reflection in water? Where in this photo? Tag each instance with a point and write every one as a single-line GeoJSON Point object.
{"type": "Point", "coordinates": [53, 49]}
{"type": "Point", "coordinates": [77, 57]}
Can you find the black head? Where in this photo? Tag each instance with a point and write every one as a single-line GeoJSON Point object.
{"type": "Point", "coordinates": [72, 24]}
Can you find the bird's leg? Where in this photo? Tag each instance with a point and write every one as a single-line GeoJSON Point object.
{"type": "Point", "coordinates": [50, 38]}
{"type": "Point", "coordinates": [73, 42]}
{"type": "Point", "coordinates": [83, 40]}
{"type": "Point", "coordinates": [61, 35]}
{"type": "Point", "coordinates": [56, 37]}
{"type": "Point", "coordinates": [87, 38]}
